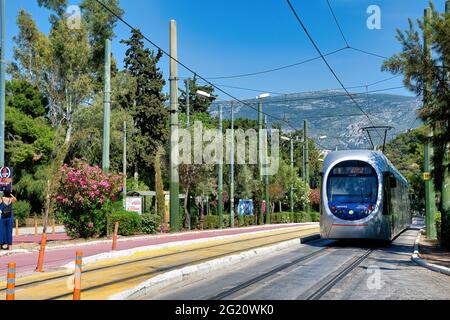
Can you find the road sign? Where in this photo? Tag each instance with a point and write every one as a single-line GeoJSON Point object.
{"type": "Point", "coordinates": [426, 176]}
{"type": "Point", "coordinates": [134, 204]}
{"type": "Point", "coordinates": [6, 178]}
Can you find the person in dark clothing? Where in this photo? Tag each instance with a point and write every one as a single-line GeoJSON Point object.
{"type": "Point", "coordinates": [7, 219]}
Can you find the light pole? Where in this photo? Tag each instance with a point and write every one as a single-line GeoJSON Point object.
{"type": "Point", "coordinates": [262, 144]}
{"type": "Point", "coordinates": [188, 97]}
{"type": "Point", "coordinates": [2, 82]}
{"type": "Point", "coordinates": [291, 195]}
{"type": "Point", "coordinates": [232, 168]}
{"type": "Point", "coordinates": [206, 95]}
{"type": "Point", "coordinates": [306, 156]}
{"type": "Point", "coordinates": [174, 175]}
{"type": "Point", "coordinates": [107, 108]}
{"type": "Point", "coordinates": [124, 169]}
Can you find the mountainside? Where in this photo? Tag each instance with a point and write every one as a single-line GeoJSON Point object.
{"type": "Point", "coordinates": [333, 114]}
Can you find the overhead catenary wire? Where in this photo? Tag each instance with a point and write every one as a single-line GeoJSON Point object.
{"type": "Point", "coordinates": [300, 21]}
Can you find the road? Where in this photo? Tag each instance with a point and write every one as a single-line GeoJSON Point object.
{"type": "Point", "coordinates": [322, 269]}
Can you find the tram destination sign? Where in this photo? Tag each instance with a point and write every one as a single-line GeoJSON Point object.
{"type": "Point", "coordinates": [6, 178]}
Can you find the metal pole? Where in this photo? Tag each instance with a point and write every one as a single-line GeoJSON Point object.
{"type": "Point", "coordinates": [2, 82]}
{"type": "Point", "coordinates": [430, 197]}
{"type": "Point", "coordinates": [260, 142]}
{"type": "Point", "coordinates": [292, 185]}
{"type": "Point", "coordinates": [306, 156]}
{"type": "Point", "coordinates": [220, 175]}
{"type": "Point", "coordinates": [266, 176]}
{"type": "Point", "coordinates": [445, 198]}
{"type": "Point", "coordinates": [107, 108]}
{"type": "Point", "coordinates": [188, 102]}
{"type": "Point", "coordinates": [124, 164]}
{"type": "Point", "coordinates": [174, 176]}
{"type": "Point", "coordinates": [232, 169]}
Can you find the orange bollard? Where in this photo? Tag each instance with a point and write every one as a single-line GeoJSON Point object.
{"type": "Point", "coordinates": [40, 262]}
{"type": "Point", "coordinates": [35, 227]}
{"type": "Point", "coordinates": [11, 281]}
{"type": "Point", "coordinates": [116, 230]}
{"type": "Point", "coordinates": [17, 228]}
{"type": "Point", "coordinates": [77, 276]}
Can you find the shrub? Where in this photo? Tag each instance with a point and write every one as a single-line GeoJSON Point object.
{"type": "Point", "coordinates": [149, 223]}
{"type": "Point", "coordinates": [211, 222]}
{"type": "Point", "coordinates": [22, 210]}
{"type": "Point", "coordinates": [130, 223]}
{"type": "Point", "coordinates": [438, 223]}
{"type": "Point", "coordinates": [315, 216]}
{"type": "Point", "coordinates": [83, 193]}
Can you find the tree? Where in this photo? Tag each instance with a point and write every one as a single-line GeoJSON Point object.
{"type": "Point", "coordinates": [196, 104]}
{"type": "Point", "coordinates": [427, 75]}
{"type": "Point", "coordinates": [146, 103]}
{"type": "Point", "coordinates": [159, 187]}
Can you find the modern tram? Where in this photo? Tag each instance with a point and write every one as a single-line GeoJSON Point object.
{"type": "Point", "coordinates": [363, 197]}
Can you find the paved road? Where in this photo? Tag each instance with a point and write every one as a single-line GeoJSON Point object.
{"type": "Point", "coordinates": [323, 270]}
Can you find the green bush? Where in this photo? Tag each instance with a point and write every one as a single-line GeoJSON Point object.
{"type": "Point", "coordinates": [315, 216]}
{"type": "Point", "coordinates": [129, 222]}
{"type": "Point", "coordinates": [211, 222]}
{"type": "Point", "coordinates": [438, 222]}
{"type": "Point", "coordinates": [22, 210]}
{"type": "Point", "coordinates": [149, 223]}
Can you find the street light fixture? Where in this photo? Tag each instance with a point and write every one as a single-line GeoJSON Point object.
{"type": "Point", "coordinates": [263, 96]}
{"type": "Point", "coordinates": [203, 94]}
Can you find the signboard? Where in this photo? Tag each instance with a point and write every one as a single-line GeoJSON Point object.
{"type": "Point", "coordinates": [6, 178]}
{"type": "Point", "coordinates": [134, 204]}
{"type": "Point", "coordinates": [245, 207]}
{"type": "Point", "coordinates": [426, 176]}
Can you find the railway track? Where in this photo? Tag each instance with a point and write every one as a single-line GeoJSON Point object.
{"type": "Point", "coordinates": [314, 293]}
{"type": "Point", "coordinates": [162, 269]}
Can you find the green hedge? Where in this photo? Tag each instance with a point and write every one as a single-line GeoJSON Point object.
{"type": "Point", "coordinates": [149, 223]}
{"type": "Point", "coordinates": [130, 223]}
{"type": "Point", "coordinates": [22, 211]}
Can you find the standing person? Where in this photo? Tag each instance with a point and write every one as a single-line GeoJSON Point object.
{"type": "Point", "coordinates": [7, 219]}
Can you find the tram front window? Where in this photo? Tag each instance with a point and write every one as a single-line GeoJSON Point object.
{"type": "Point", "coordinates": [352, 190]}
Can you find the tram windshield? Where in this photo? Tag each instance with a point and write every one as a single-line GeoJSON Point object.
{"type": "Point", "coordinates": [352, 182]}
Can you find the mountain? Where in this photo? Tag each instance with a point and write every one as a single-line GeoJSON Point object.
{"type": "Point", "coordinates": [331, 113]}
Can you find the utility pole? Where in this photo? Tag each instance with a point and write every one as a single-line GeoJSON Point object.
{"type": "Point", "coordinates": [266, 175]}
{"type": "Point", "coordinates": [430, 198]}
{"type": "Point", "coordinates": [232, 168]}
{"type": "Point", "coordinates": [174, 176]}
{"type": "Point", "coordinates": [292, 167]}
{"type": "Point", "coordinates": [306, 156]}
{"type": "Point", "coordinates": [107, 108]}
{"type": "Point", "coordinates": [188, 102]}
{"type": "Point", "coordinates": [220, 175]}
{"type": "Point", "coordinates": [2, 82]}
{"type": "Point", "coordinates": [445, 198]}
{"type": "Point", "coordinates": [260, 153]}
{"type": "Point", "coordinates": [124, 164]}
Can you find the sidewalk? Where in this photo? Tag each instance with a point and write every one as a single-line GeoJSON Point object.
{"type": "Point", "coordinates": [58, 256]}
{"type": "Point", "coordinates": [431, 251]}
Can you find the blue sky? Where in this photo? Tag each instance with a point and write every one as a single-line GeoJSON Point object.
{"type": "Point", "coordinates": [228, 37]}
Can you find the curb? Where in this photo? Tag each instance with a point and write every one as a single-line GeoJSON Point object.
{"type": "Point", "coordinates": [128, 252]}
{"type": "Point", "coordinates": [166, 279]}
{"type": "Point", "coordinates": [434, 267]}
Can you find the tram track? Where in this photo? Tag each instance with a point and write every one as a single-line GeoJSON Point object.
{"type": "Point", "coordinates": [167, 268]}
{"type": "Point", "coordinates": [324, 287]}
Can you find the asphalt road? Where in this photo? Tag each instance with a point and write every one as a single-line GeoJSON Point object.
{"type": "Point", "coordinates": [322, 270]}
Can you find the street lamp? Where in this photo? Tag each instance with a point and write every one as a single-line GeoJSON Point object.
{"type": "Point", "coordinates": [266, 175]}
{"type": "Point", "coordinates": [203, 94]}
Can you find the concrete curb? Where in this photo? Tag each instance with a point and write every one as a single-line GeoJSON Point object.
{"type": "Point", "coordinates": [172, 277]}
{"type": "Point", "coordinates": [434, 267]}
{"type": "Point", "coordinates": [123, 253]}
{"type": "Point", "coordinates": [12, 252]}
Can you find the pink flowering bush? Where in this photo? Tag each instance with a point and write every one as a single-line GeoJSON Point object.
{"type": "Point", "coordinates": [83, 199]}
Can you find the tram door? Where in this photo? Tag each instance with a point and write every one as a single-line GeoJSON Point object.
{"type": "Point", "coordinates": [389, 185]}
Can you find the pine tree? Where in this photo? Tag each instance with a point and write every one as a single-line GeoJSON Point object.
{"type": "Point", "coordinates": [146, 104]}
{"type": "Point", "coordinates": [196, 104]}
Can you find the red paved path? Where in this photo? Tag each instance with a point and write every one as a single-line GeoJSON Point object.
{"type": "Point", "coordinates": [54, 258]}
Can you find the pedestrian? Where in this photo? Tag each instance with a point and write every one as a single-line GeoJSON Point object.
{"type": "Point", "coordinates": [7, 219]}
